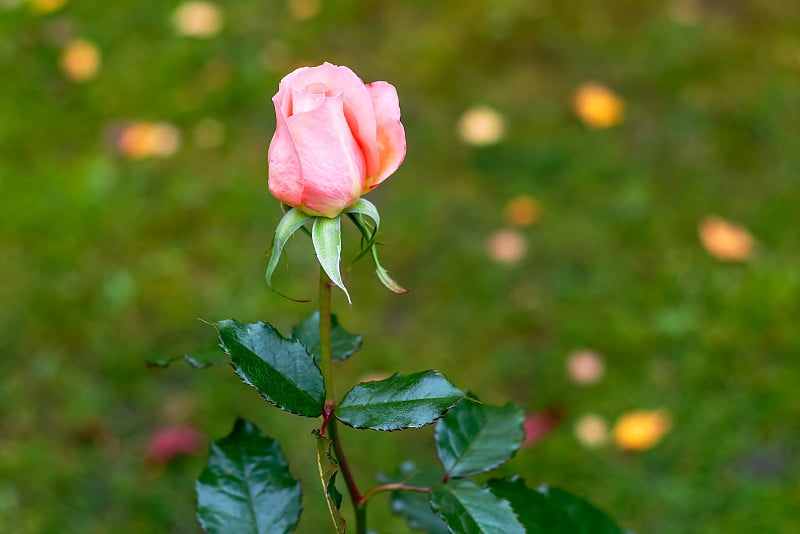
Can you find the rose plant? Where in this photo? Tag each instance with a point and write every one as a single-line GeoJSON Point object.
{"type": "Point", "coordinates": [335, 140]}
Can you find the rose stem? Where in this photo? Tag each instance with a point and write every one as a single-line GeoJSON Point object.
{"type": "Point", "coordinates": [325, 336]}
{"type": "Point", "coordinates": [327, 376]}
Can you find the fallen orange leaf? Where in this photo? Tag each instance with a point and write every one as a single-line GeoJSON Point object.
{"type": "Point", "coordinates": [725, 240]}
{"type": "Point", "coordinates": [80, 60]}
{"type": "Point", "coordinates": [522, 210]}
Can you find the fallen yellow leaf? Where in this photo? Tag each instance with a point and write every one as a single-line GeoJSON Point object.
{"type": "Point", "coordinates": [597, 106]}
{"type": "Point", "coordinates": [641, 430]}
{"type": "Point", "coordinates": [304, 9]}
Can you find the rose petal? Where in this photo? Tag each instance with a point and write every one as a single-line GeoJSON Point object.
{"type": "Point", "coordinates": [331, 161]}
{"type": "Point", "coordinates": [591, 430]}
{"type": "Point", "coordinates": [197, 19]}
{"type": "Point", "coordinates": [357, 103]}
{"type": "Point", "coordinates": [307, 100]}
{"type": "Point", "coordinates": [167, 443]}
{"type": "Point", "coordinates": [285, 172]}
{"type": "Point", "coordinates": [391, 136]}
{"type": "Point", "coordinates": [585, 367]}
{"type": "Point", "coordinates": [539, 424]}
{"type": "Point", "coordinates": [482, 126]}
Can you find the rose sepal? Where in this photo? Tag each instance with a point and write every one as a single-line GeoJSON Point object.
{"type": "Point", "coordinates": [369, 244]}
{"type": "Point", "coordinates": [291, 221]}
{"type": "Point", "coordinates": [326, 234]}
{"type": "Point", "coordinates": [365, 207]}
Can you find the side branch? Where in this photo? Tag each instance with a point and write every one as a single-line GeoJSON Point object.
{"type": "Point", "coordinates": [398, 486]}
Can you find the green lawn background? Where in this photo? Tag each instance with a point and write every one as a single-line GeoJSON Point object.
{"type": "Point", "coordinates": [106, 260]}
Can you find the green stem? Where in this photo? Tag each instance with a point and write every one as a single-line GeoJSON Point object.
{"type": "Point", "coordinates": [359, 505]}
{"type": "Point", "coordinates": [361, 519]}
{"type": "Point", "coordinates": [329, 421]}
{"type": "Point", "coordinates": [325, 335]}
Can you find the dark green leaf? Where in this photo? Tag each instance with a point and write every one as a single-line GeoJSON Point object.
{"type": "Point", "coordinates": [551, 510]}
{"type": "Point", "coordinates": [531, 507]}
{"type": "Point", "coordinates": [199, 359]}
{"type": "Point", "coordinates": [586, 518]}
{"type": "Point", "coordinates": [328, 467]}
{"type": "Point", "coordinates": [343, 343]}
{"type": "Point", "coordinates": [280, 369]}
{"type": "Point", "coordinates": [400, 401]}
{"type": "Point", "coordinates": [469, 509]}
{"type": "Point", "coordinates": [474, 437]}
{"type": "Point", "coordinates": [415, 507]}
{"type": "Point", "coordinates": [246, 486]}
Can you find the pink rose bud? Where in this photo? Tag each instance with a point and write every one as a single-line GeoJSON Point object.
{"type": "Point", "coordinates": [335, 139]}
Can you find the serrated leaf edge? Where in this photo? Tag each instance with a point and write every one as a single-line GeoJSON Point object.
{"type": "Point", "coordinates": [512, 453]}
{"type": "Point", "coordinates": [336, 516]}
{"type": "Point", "coordinates": [483, 488]}
{"type": "Point", "coordinates": [239, 426]}
{"type": "Point", "coordinates": [379, 428]}
{"type": "Point", "coordinates": [247, 381]}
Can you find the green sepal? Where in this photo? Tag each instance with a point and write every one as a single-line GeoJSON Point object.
{"type": "Point", "coordinates": [343, 343]}
{"type": "Point", "coordinates": [398, 402]}
{"type": "Point", "coordinates": [246, 486]}
{"type": "Point", "coordinates": [368, 236]}
{"type": "Point", "coordinates": [389, 282]}
{"type": "Point", "coordinates": [474, 437]}
{"type": "Point", "coordinates": [328, 468]}
{"type": "Point", "coordinates": [326, 234]}
{"type": "Point", "coordinates": [470, 509]}
{"type": "Point", "coordinates": [365, 207]}
{"type": "Point", "coordinates": [292, 220]}
{"type": "Point", "coordinates": [280, 369]}
{"type": "Point", "coordinates": [371, 246]}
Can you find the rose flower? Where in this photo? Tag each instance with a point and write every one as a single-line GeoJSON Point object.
{"type": "Point", "coordinates": [336, 139]}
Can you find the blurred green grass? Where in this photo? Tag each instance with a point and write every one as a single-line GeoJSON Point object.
{"type": "Point", "coordinates": [106, 259]}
